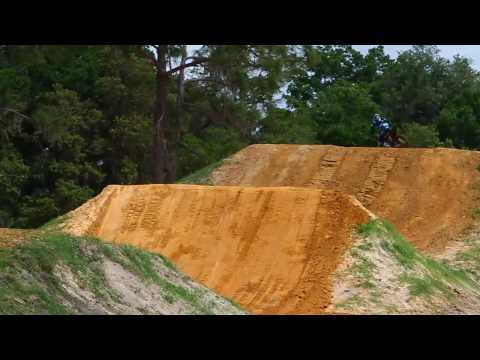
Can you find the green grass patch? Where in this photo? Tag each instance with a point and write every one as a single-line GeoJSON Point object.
{"type": "Point", "coordinates": [471, 255]}
{"type": "Point", "coordinates": [469, 261]}
{"type": "Point", "coordinates": [437, 275]}
{"type": "Point", "coordinates": [363, 268]}
{"type": "Point", "coordinates": [142, 263]}
{"type": "Point", "coordinates": [168, 263]}
{"type": "Point", "coordinates": [29, 284]}
{"type": "Point", "coordinates": [423, 286]}
{"type": "Point", "coordinates": [27, 272]}
{"type": "Point", "coordinates": [202, 176]}
{"type": "Point", "coordinates": [53, 224]}
{"type": "Point", "coordinates": [393, 241]}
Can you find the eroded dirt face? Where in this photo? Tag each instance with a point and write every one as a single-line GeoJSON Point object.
{"type": "Point", "coordinates": [272, 247]}
{"type": "Point", "coordinates": [429, 194]}
{"type": "Point", "coordinates": [273, 250]}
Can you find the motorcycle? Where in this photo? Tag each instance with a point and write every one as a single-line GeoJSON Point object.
{"type": "Point", "coordinates": [394, 140]}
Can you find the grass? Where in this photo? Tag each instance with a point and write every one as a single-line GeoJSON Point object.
{"type": "Point", "coordinates": [234, 303]}
{"type": "Point", "coordinates": [469, 259]}
{"type": "Point", "coordinates": [142, 263]}
{"type": "Point", "coordinates": [437, 275]}
{"type": "Point", "coordinates": [168, 263]}
{"type": "Point", "coordinates": [29, 282]}
{"type": "Point", "coordinates": [423, 286]}
{"type": "Point", "coordinates": [52, 225]}
{"type": "Point", "coordinates": [393, 242]}
{"type": "Point", "coordinates": [202, 176]}
{"type": "Point", "coordinates": [363, 268]}
{"type": "Point", "coordinates": [471, 255]}
{"type": "Point", "coordinates": [30, 269]}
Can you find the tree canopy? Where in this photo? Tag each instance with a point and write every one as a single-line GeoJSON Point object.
{"type": "Point", "coordinates": [76, 118]}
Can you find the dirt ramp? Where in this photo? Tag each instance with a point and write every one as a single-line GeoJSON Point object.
{"type": "Point", "coordinates": [273, 250]}
{"type": "Point", "coordinates": [429, 194]}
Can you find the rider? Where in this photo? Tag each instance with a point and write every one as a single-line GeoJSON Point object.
{"type": "Point", "coordinates": [383, 126]}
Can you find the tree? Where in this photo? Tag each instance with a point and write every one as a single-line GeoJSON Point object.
{"type": "Point", "coordinates": [319, 67]}
{"type": "Point", "coordinates": [248, 74]}
{"type": "Point", "coordinates": [413, 87]}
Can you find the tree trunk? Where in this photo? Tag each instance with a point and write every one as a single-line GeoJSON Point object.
{"type": "Point", "coordinates": [164, 167]}
{"type": "Point", "coordinates": [163, 161]}
{"type": "Point", "coordinates": [181, 78]}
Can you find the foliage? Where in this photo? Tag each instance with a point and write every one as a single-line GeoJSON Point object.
{"type": "Point", "coordinates": [74, 119]}
{"type": "Point", "coordinates": [32, 281]}
{"type": "Point", "coordinates": [421, 136]}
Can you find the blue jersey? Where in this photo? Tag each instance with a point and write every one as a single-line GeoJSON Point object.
{"type": "Point", "coordinates": [381, 124]}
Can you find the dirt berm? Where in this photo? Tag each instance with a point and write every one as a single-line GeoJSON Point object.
{"type": "Point", "coordinates": [273, 250]}
{"type": "Point", "coordinates": [428, 194]}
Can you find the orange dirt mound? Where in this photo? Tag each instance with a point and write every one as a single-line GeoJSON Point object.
{"type": "Point", "coordinates": [273, 250]}
{"type": "Point", "coordinates": [429, 194]}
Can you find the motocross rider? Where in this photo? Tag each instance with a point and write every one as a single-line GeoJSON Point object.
{"type": "Point", "coordinates": [383, 126]}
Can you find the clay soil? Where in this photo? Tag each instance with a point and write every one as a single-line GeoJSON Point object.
{"type": "Point", "coordinates": [273, 250]}
{"type": "Point", "coordinates": [272, 231]}
{"type": "Point", "coordinates": [429, 194]}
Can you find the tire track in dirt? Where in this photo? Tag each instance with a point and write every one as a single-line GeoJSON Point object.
{"type": "Point", "coordinates": [428, 194]}
{"type": "Point", "coordinates": [150, 219]}
{"type": "Point", "coordinates": [329, 163]}
{"type": "Point", "coordinates": [255, 245]}
{"type": "Point", "coordinates": [133, 212]}
{"type": "Point", "coordinates": [376, 179]}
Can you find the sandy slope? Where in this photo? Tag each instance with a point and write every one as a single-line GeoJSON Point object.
{"type": "Point", "coordinates": [428, 194]}
{"type": "Point", "coordinates": [273, 250]}
{"type": "Point", "coordinates": [274, 229]}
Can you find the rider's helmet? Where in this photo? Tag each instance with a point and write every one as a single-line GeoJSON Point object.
{"type": "Point", "coordinates": [376, 120]}
{"type": "Point", "coordinates": [380, 122]}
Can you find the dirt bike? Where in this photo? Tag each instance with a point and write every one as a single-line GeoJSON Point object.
{"type": "Point", "coordinates": [395, 140]}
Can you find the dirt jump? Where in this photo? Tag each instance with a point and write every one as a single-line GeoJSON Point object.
{"type": "Point", "coordinates": [429, 194]}
{"type": "Point", "coordinates": [273, 250]}
{"type": "Point", "coordinates": [273, 230]}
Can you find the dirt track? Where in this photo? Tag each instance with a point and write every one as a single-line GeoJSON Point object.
{"type": "Point", "coordinates": [273, 250]}
{"type": "Point", "coordinates": [429, 194]}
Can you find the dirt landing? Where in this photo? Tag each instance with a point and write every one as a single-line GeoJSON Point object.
{"type": "Point", "coordinates": [273, 250]}
{"type": "Point", "coordinates": [429, 194]}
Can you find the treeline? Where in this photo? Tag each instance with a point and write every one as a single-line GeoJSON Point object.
{"type": "Point", "coordinates": [76, 118]}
